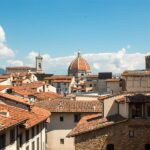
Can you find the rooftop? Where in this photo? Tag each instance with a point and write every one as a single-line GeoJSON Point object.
{"type": "Point", "coordinates": [67, 105]}
{"type": "Point", "coordinates": [94, 122]}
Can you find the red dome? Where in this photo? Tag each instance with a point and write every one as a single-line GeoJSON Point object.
{"type": "Point", "coordinates": [79, 64]}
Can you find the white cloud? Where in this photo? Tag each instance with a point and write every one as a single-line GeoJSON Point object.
{"type": "Point", "coordinates": [5, 51]}
{"type": "Point", "coordinates": [2, 35]}
{"type": "Point", "coordinates": [14, 63]}
{"type": "Point", "coordinates": [115, 62]}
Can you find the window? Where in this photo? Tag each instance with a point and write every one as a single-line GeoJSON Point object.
{"type": "Point", "coordinates": [46, 138]}
{"type": "Point", "coordinates": [61, 118]}
{"type": "Point", "coordinates": [136, 110]}
{"type": "Point", "coordinates": [110, 147]}
{"type": "Point", "coordinates": [33, 132]}
{"type": "Point", "coordinates": [61, 141]}
{"type": "Point", "coordinates": [37, 129]}
{"type": "Point", "coordinates": [20, 140]}
{"type": "Point", "coordinates": [77, 117]}
{"type": "Point", "coordinates": [131, 133]}
{"type": "Point", "coordinates": [2, 141]}
{"type": "Point", "coordinates": [148, 111]}
{"type": "Point", "coordinates": [33, 145]}
{"type": "Point", "coordinates": [147, 146]}
{"type": "Point", "coordinates": [37, 143]}
{"type": "Point", "coordinates": [12, 136]}
{"type": "Point", "coordinates": [27, 135]}
{"type": "Point", "coordinates": [27, 148]}
{"type": "Point", "coordinates": [90, 85]}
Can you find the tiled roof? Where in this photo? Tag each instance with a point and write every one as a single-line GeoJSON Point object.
{"type": "Point", "coordinates": [61, 81]}
{"type": "Point", "coordinates": [59, 77]}
{"type": "Point", "coordinates": [92, 76]}
{"type": "Point", "coordinates": [36, 116]}
{"type": "Point", "coordinates": [67, 105]}
{"type": "Point", "coordinates": [14, 98]}
{"type": "Point", "coordinates": [46, 95]}
{"type": "Point", "coordinates": [2, 87]}
{"type": "Point", "coordinates": [88, 124]}
{"type": "Point", "coordinates": [113, 80]}
{"type": "Point", "coordinates": [18, 115]}
{"type": "Point", "coordinates": [79, 64]}
{"type": "Point", "coordinates": [23, 92]}
{"type": "Point", "coordinates": [15, 116]}
{"type": "Point", "coordinates": [20, 67]}
{"type": "Point", "coordinates": [4, 76]}
{"type": "Point", "coordinates": [136, 73]}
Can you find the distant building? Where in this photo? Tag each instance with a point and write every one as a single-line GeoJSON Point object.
{"type": "Point", "coordinates": [147, 62]}
{"type": "Point", "coordinates": [137, 80]}
{"type": "Point", "coordinates": [79, 67]}
{"type": "Point", "coordinates": [62, 83]}
{"type": "Point", "coordinates": [27, 69]}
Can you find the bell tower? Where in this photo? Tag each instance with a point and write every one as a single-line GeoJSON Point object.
{"type": "Point", "coordinates": [147, 62]}
{"type": "Point", "coordinates": [39, 64]}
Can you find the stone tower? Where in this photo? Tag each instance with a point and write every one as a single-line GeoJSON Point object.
{"type": "Point", "coordinates": [147, 62]}
{"type": "Point", "coordinates": [39, 64]}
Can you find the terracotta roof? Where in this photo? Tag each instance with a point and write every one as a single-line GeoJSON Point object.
{"type": "Point", "coordinates": [4, 76]}
{"type": "Point", "coordinates": [67, 105]}
{"type": "Point", "coordinates": [2, 87]}
{"type": "Point", "coordinates": [14, 98]}
{"type": "Point", "coordinates": [35, 116]}
{"type": "Point", "coordinates": [61, 81]}
{"type": "Point", "coordinates": [59, 77]}
{"type": "Point", "coordinates": [18, 115]}
{"type": "Point", "coordinates": [113, 80]}
{"type": "Point", "coordinates": [46, 95]}
{"type": "Point", "coordinates": [23, 92]}
{"type": "Point", "coordinates": [14, 116]}
{"type": "Point", "coordinates": [94, 123]}
{"type": "Point", "coordinates": [79, 64]}
{"type": "Point", "coordinates": [92, 76]}
{"type": "Point", "coordinates": [20, 67]}
{"type": "Point", "coordinates": [136, 73]}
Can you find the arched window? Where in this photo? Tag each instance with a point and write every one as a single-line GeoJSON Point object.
{"type": "Point", "coordinates": [110, 147]}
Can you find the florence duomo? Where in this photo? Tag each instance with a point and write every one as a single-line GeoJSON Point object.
{"type": "Point", "coordinates": [65, 99]}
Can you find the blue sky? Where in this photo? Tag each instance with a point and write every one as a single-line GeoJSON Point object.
{"type": "Point", "coordinates": [60, 27]}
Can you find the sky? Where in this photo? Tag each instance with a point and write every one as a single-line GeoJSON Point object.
{"type": "Point", "coordinates": [112, 35]}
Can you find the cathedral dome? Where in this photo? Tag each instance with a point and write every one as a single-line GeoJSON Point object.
{"type": "Point", "coordinates": [79, 64]}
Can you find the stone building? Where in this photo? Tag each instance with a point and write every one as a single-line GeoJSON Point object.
{"type": "Point", "coordinates": [65, 114]}
{"type": "Point", "coordinates": [137, 80]}
{"type": "Point", "coordinates": [79, 67]}
{"type": "Point", "coordinates": [125, 124]}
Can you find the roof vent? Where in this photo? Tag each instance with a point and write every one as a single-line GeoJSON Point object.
{"type": "Point", "coordinates": [4, 113]}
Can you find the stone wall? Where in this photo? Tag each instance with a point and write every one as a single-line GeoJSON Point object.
{"type": "Point", "coordinates": [118, 135]}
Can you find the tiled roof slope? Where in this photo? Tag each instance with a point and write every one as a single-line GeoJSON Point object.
{"type": "Point", "coordinates": [46, 95]}
{"type": "Point", "coordinates": [88, 124]}
{"type": "Point", "coordinates": [59, 77]}
{"type": "Point", "coordinates": [18, 115]}
{"type": "Point", "coordinates": [15, 99]}
{"type": "Point", "coordinates": [15, 116]}
{"type": "Point", "coordinates": [67, 105]}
